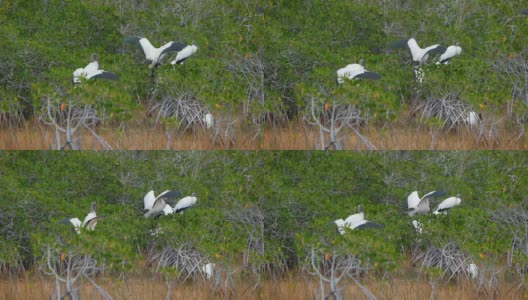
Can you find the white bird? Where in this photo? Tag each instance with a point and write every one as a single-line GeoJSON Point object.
{"type": "Point", "coordinates": [208, 270]}
{"type": "Point", "coordinates": [167, 210]}
{"type": "Point", "coordinates": [473, 118]}
{"type": "Point", "coordinates": [355, 71]}
{"type": "Point", "coordinates": [92, 71]}
{"type": "Point", "coordinates": [185, 53]}
{"type": "Point", "coordinates": [89, 221]}
{"type": "Point", "coordinates": [450, 52]}
{"type": "Point", "coordinates": [418, 226]}
{"type": "Point", "coordinates": [472, 270]}
{"type": "Point", "coordinates": [155, 205]}
{"type": "Point", "coordinates": [419, 55]}
{"type": "Point", "coordinates": [185, 203]}
{"type": "Point", "coordinates": [447, 204]}
{"type": "Point", "coordinates": [153, 54]}
{"type": "Point", "coordinates": [417, 205]}
{"type": "Point", "coordinates": [355, 221]}
{"type": "Point", "coordinates": [208, 120]}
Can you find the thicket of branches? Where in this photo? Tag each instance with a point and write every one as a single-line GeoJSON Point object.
{"type": "Point", "coordinates": [262, 215]}
{"type": "Point", "coordinates": [264, 62]}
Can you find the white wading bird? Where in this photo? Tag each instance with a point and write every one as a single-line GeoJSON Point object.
{"type": "Point", "coordinates": [185, 53]}
{"type": "Point", "coordinates": [89, 221]}
{"type": "Point", "coordinates": [208, 120]}
{"type": "Point", "coordinates": [447, 204]}
{"type": "Point", "coordinates": [472, 270]}
{"type": "Point", "coordinates": [450, 52]}
{"type": "Point", "coordinates": [153, 54]}
{"type": "Point", "coordinates": [91, 71]}
{"type": "Point", "coordinates": [185, 203]}
{"type": "Point", "coordinates": [419, 55]}
{"type": "Point", "coordinates": [155, 205]}
{"type": "Point", "coordinates": [208, 270]}
{"type": "Point", "coordinates": [355, 221]}
{"type": "Point", "coordinates": [355, 71]}
{"type": "Point", "coordinates": [473, 119]}
{"type": "Point", "coordinates": [417, 205]}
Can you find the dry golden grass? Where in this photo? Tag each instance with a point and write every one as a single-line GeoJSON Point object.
{"type": "Point", "coordinates": [295, 288]}
{"type": "Point", "coordinates": [291, 137]}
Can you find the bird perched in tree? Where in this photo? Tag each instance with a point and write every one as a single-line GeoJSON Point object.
{"type": "Point", "coordinates": [355, 221]}
{"type": "Point", "coordinates": [89, 221]}
{"type": "Point", "coordinates": [450, 52]}
{"type": "Point", "coordinates": [419, 55]}
{"type": "Point", "coordinates": [447, 204]}
{"type": "Point", "coordinates": [417, 205]}
{"type": "Point", "coordinates": [92, 71]}
{"type": "Point", "coordinates": [153, 54]}
{"type": "Point", "coordinates": [155, 205]}
{"type": "Point", "coordinates": [185, 203]}
{"type": "Point", "coordinates": [184, 53]}
{"type": "Point", "coordinates": [355, 71]}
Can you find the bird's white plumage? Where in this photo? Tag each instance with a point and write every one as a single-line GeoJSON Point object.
{"type": "Point", "coordinates": [148, 200]}
{"type": "Point", "coordinates": [208, 120]}
{"type": "Point", "coordinates": [185, 203]}
{"type": "Point", "coordinates": [154, 206]}
{"type": "Point", "coordinates": [349, 72]}
{"type": "Point", "coordinates": [91, 218]}
{"type": "Point", "coordinates": [352, 71]}
{"type": "Point", "coordinates": [353, 221]}
{"type": "Point", "coordinates": [89, 221]}
{"type": "Point", "coordinates": [450, 52]}
{"type": "Point", "coordinates": [156, 55]}
{"type": "Point", "coordinates": [151, 53]}
{"type": "Point", "coordinates": [472, 270]}
{"type": "Point", "coordinates": [208, 270]}
{"type": "Point", "coordinates": [167, 210]}
{"type": "Point", "coordinates": [447, 204]}
{"type": "Point", "coordinates": [418, 205]}
{"type": "Point", "coordinates": [76, 224]}
{"type": "Point", "coordinates": [413, 200]}
{"type": "Point", "coordinates": [92, 71]}
{"type": "Point", "coordinates": [472, 119]}
{"type": "Point", "coordinates": [418, 54]}
{"type": "Point", "coordinates": [184, 54]}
